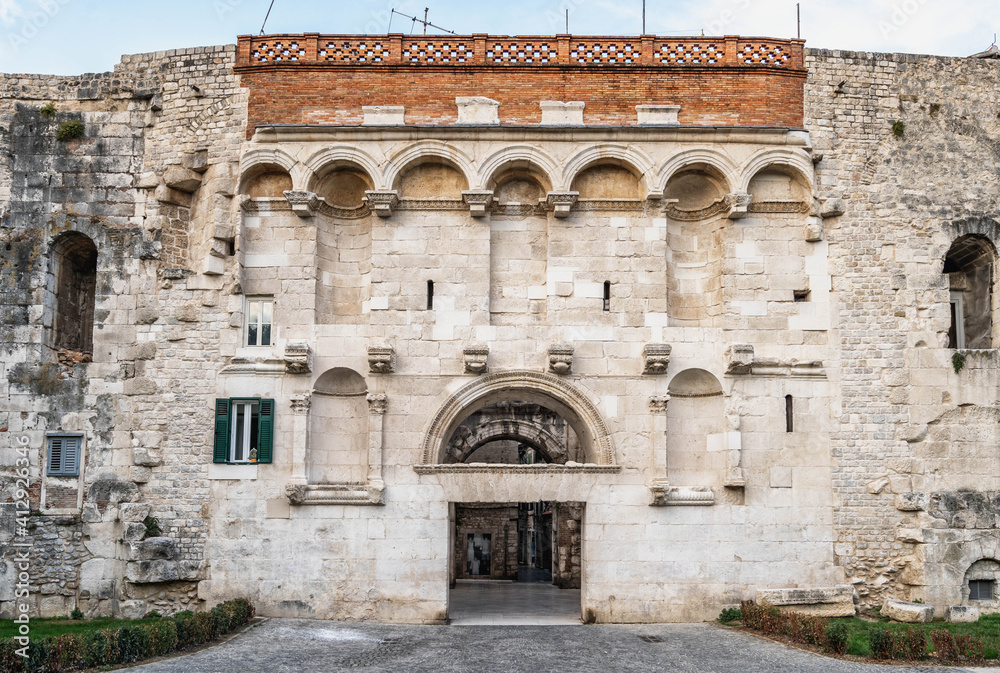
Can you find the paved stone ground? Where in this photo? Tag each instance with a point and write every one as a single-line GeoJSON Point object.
{"type": "Point", "coordinates": [293, 645]}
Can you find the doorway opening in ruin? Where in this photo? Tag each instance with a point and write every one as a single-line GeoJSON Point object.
{"type": "Point", "coordinates": [516, 562]}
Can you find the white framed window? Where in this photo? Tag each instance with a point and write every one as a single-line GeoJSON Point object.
{"type": "Point", "coordinates": [956, 335]}
{"type": "Point", "coordinates": [259, 316]}
{"type": "Point", "coordinates": [63, 455]}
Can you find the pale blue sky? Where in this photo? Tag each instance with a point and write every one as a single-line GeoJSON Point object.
{"type": "Point", "coordinates": [76, 36]}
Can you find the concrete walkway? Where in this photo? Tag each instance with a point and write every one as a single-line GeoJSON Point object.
{"type": "Point", "coordinates": [513, 604]}
{"type": "Point", "coordinates": [287, 645]}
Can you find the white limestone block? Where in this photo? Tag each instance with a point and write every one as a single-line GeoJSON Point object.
{"type": "Point", "coordinates": [556, 113]}
{"type": "Point", "coordinates": [781, 477]}
{"type": "Point", "coordinates": [478, 110]}
{"type": "Point", "coordinates": [904, 611]}
{"type": "Point", "coordinates": [383, 115]}
{"type": "Point", "coordinates": [658, 115]}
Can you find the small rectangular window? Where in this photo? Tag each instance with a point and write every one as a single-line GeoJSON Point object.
{"type": "Point", "coordinates": [64, 455]}
{"type": "Point", "coordinates": [956, 332]}
{"type": "Point", "coordinates": [607, 295]}
{"type": "Point", "coordinates": [801, 295]}
{"type": "Point", "coordinates": [981, 590]}
{"type": "Point", "coordinates": [259, 312]}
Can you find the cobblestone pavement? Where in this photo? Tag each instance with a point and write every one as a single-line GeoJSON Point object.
{"type": "Point", "coordinates": [287, 645]}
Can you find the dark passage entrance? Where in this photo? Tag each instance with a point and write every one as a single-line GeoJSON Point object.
{"type": "Point", "coordinates": [519, 542]}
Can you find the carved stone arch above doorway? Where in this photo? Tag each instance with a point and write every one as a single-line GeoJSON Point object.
{"type": "Point", "coordinates": [547, 390]}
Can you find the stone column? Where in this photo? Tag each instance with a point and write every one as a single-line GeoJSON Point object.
{"type": "Point", "coordinates": [300, 437]}
{"type": "Point", "coordinates": [658, 406]}
{"type": "Point", "coordinates": [376, 413]}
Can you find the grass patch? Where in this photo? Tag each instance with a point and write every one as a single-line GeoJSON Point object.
{"type": "Point", "coordinates": [986, 629]}
{"type": "Point", "coordinates": [44, 628]}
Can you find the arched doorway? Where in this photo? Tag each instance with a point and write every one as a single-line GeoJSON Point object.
{"type": "Point", "coordinates": [517, 561]}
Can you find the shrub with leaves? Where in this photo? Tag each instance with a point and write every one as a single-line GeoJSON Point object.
{"type": "Point", "coordinates": [912, 644]}
{"type": "Point", "coordinates": [970, 647]}
{"type": "Point", "coordinates": [837, 637]}
{"type": "Point", "coordinates": [48, 110]}
{"type": "Point", "coordinates": [70, 130]}
{"type": "Point", "coordinates": [152, 525]}
{"type": "Point", "coordinates": [730, 615]}
{"type": "Point", "coordinates": [882, 642]}
{"type": "Point", "coordinates": [944, 645]}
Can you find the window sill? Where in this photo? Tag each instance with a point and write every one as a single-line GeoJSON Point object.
{"type": "Point", "coordinates": [232, 471]}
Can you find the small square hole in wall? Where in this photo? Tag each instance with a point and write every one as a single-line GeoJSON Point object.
{"type": "Point", "coordinates": [801, 295]}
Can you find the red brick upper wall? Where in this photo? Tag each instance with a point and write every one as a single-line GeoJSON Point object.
{"type": "Point", "coordinates": [326, 79]}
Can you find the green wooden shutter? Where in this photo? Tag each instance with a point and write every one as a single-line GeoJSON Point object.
{"type": "Point", "coordinates": [265, 436]}
{"type": "Point", "coordinates": [221, 452]}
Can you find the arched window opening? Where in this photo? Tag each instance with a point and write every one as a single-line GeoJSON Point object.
{"type": "Point", "coordinates": [980, 586]}
{"type": "Point", "coordinates": [969, 266]}
{"type": "Point", "coordinates": [74, 266]}
{"type": "Point", "coordinates": [514, 433]}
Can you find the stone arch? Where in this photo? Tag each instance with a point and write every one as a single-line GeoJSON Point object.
{"type": "Point", "coordinates": [971, 267]}
{"type": "Point", "coordinates": [72, 282]}
{"type": "Point", "coordinates": [257, 162]}
{"type": "Point", "coordinates": [509, 428]}
{"type": "Point", "coordinates": [694, 382]}
{"type": "Point", "coordinates": [796, 164]}
{"type": "Point", "coordinates": [425, 151]}
{"type": "Point", "coordinates": [710, 161]}
{"type": "Point", "coordinates": [342, 156]}
{"type": "Point", "coordinates": [983, 226]}
{"type": "Point", "coordinates": [695, 416]}
{"type": "Point", "coordinates": [636, 161]}
{"type": "Point", "coordinates": [547, 390]}
{"type": "Point", "coordinates": [523, 157]}
{"type": "Point", "coordinates": [984, 569]}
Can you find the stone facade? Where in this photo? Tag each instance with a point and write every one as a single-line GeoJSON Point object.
{"type": "Point", "coordinates": [719, 335]}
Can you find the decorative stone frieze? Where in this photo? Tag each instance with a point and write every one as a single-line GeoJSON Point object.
{"type": "Point", "coordinates": [655, 357]}
{"type": "Point", "coordinates": [303, 203]}
{"type": "Point", "coordinates": [298, 358]}
{"type": "Point", "coordinates": [477, 358]}
{"type": "Point", "coordinates": [561, 359]}
{"type": "Point", "coordinates": [658, 115]}
{"type": "Point", "coordinates": [382, 359]}
{"type": "Point", "coordinates": [479, 201]}
{"type": "Point", "coordinates": [664, 496]}
{"type": "Point", "coordinates": [381, 202]}
{"type": "Point", "coordinates": [740, 357]}
{"type": "Point", "coordinates": [333, 494]}
{"type": "Point", "coordinates": [738, 204]}
{"type": "Point", "coordinates": [561, 203]}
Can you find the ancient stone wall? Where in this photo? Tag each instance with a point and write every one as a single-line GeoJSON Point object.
{"type": "Point", "coordinates": [908, 142]}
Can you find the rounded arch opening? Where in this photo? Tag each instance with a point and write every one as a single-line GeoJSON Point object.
{"type": "Point", "coordinates": [265, 180]}
{"type": "Point", "coordinates": [608, 178]}
{"type": "Point", "coordinates": [980, 585]}
{"type": "Point", "coordinates": [343, 185]}
{"type": "Point", "coordinates": [970, 265]}
{"type": "Point", "coordinates": [779, 183]}
{"type": "Point", "coordinates": [695, 383]}
{"type": "Point", "coordinates": [73, 284]}
{"type": "Point", "coordinates": [521, 388]}
{"type": "Point", "coordinates": [696, 188]}
{"type": "Point", "coordinates": [519, 183]}
{"type": "Point", "coordinates": [431, 178]}
{"type": "Point", "coordinates": [513, 433]}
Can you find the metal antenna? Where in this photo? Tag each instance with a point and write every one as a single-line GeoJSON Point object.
{"type": "Point", "coordinates": [567, 22]}
{"type": "Point", "coordinates": [643, 17]}
{"type": "Point", "coordinates": [798, 20]}
{"type": "Point", "coordinates": [266, 17]}
{"type": "Point", "coordinates": [414, 21]}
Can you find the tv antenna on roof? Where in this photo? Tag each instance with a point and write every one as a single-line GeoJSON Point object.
{"type": "Point", "coordinates": [266, 17]}
{"type": "Point", "coordinates": [414, 21]}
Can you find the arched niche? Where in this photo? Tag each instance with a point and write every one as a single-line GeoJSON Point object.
{"type": "Point", "coordinates": [344, 187]}
{"type": "Point", "coordinates": [970, 265]}
{"type": "Point", "coordinates": [72, 283]}
{"type": "Point", "coordinates": [695, 421]}
{"type": "Point", "coordinates": [431, 178]}
{"type": "Point", "coordinates": [981, 585]}
{"type": "Point", "coordinates": [519, 185]}
{"type": "Point", "coordinates": [608, 180]}
{"type": "Point", "coordinates": [696, 228]}
{"type": "Point", "coordinates": [521, 387]}
{"type": "Point", "coordinates": [779, 189]}
{"type": "Point", "coordinates": [338, 428]}
{"type": "Point", "coordinates": [265, 180]}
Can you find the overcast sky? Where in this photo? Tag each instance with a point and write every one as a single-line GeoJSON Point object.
{"type": "Point", "coordinates": [76, 36]}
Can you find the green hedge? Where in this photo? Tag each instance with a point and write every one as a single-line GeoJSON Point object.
{"type": "Point", "coordinates": [127, 644]}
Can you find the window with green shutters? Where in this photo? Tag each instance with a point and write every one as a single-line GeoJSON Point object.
{"type": "Point", "coordinates": [244, 430]}
{"type": "Point", "coordinates": [63, 455]}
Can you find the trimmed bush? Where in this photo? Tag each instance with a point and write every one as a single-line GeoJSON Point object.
{"type": "Point", "coordinates": [944, 645]}
{"type": "Point", "coordinates": [127, 644]}
{"type": "Point", "coordinates": [837, 637]}
{"type": "Point", "coordinates": [882, 642]}
{"type": "Point", "coordinates": [970, 647]}
{"type": "Point", "coordinates": [731, 615]}
{"type": "Point", "coordinates": [912, 644]}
